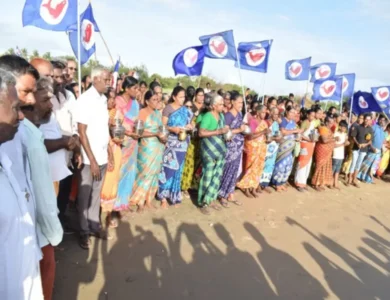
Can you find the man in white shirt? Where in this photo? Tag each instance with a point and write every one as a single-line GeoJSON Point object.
{"type": "Point", "coordinates": [50, 231]}
{"type": "Point", "coordinates": [20, 252]}
{"type": "Point", "coordinates": [92, 118]}
{"type": "Point", "coordinates": [59, 140]}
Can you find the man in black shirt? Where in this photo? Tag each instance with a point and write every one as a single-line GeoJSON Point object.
{"type": "Point", "coordinates": [362, 137]}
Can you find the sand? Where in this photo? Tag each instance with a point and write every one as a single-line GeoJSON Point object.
{"type": "Point", "coordinates": [291, 245]}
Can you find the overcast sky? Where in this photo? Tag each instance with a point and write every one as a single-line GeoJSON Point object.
{"type": "Point", "coordinates": [353, 33]}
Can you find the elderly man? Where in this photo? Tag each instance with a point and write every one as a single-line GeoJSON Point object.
{"type": "Point", "coordinates": [50, 230]}
{"type": "Point", "coordinates": [19, 259]}
{"type": "Point", "coordinates": [56, 143]}
{"type": "Point", "coordinates": [92, 118]}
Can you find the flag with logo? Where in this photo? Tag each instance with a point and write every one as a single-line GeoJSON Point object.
{"type": "Point", "coordinates": [328, 90]}
{"type": "Point", "coordinates": [219, 45]}
{"type": "Point", "coordinates": [348, 84]}
{"type": "Point", "coordinates": [322, 72]}
{"type": "Point", "coordinates": [298, 69]}
{"type": "Point", "coordinates": [382, 97]}
{"type": "Point", "coordinates": [189, 61]}
{"type": "Point", "coordinates": [88, 28]}
{"type": "Point", "coordinates": [364, 102]}
{"type": "Point", "coordinates": [115, 74]}
{"type": "Point", "coordinates": [254, 56]}
{"type": "Point", "coordinates": [52, 15]}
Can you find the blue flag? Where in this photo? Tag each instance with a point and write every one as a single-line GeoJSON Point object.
{"type": "Point", "coordinates": [348, 84]}
{"type": "Point", "coordinates": [324, 71]}
{"type": "Point", "coordinates": [115, 74]}
{"type": "Point", "coordinates": [382, 97]}
{"type": "Point", "coordinates": [47, 15]}
{"type": "Point", "coordinates": [254, 56]}
{"type": "Point", "coordinates": [219, 45]}
{"type": "Point", "coordinates": [328, 90]}
{"type": "Point", "coordinates": [189, 61]}
{"type": "Point", "coordinates": [298, 69]}
{"type": "Point", "coordinates": [364, 102]}
{"type": "Point", "coordinates": [87, 37]}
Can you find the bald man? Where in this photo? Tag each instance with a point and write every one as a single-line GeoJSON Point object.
{"type": "Point", "coordinates": [43, 66]}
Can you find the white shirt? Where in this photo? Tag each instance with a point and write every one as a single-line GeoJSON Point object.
{"type": "Point", "coordinates": [64, 112]}
{"type": "Point", "coordinates": [59, 160]}
{"type": "Point", "coordinates": [91, 110]}
{"type": "Point", "coordinates": [338, 153]}
{"type": "Point", "coordinates": [19, 250]}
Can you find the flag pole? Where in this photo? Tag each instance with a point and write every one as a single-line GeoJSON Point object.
{"type": "Point", "coordinates": [79, 44]}
{"type": "Point", "coordinates": [108, 50]}
{"type": "Point", "coordinates": [242, 86]}
{"type": "Point", "coordinates": [200, 80]}
{"type": "Point", "coordinates": [350, 110]}
{"type": "Point", "coordinates": [341, 101]}
{"type": "Point", "coordinates": [262, 98]}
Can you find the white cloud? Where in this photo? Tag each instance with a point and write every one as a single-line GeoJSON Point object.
{"type": "Point", "coordinates": [144, 34]}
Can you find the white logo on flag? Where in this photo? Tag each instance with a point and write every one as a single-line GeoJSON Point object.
{"type": "Point", "coordinates": [53, 11]}
{"type": "Point", "coordinates": [190, 57]}
{"type": "Point", "coordinates": [218, 46]}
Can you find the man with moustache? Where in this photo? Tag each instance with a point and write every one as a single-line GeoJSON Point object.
{"type": "Point", "coordinates": [20, 253]}
{"type": "Point", "coordinates": [71, 71]}
{"type": "Point", "coordinates": [50, 231]}
{"type": "Point", "coordinates": [58, 144]}
{"type": "Point", "coordinates": [92, 118]}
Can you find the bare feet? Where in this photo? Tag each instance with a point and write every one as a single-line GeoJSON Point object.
{"type": "Point", "coordinates": [252, 191]}
{"type": "Point", "coordinates": [177, 205]}
{"type": "Point", "coordinates": [150, 206]}
{"type": "Point", "coordinates": [164, 204]}
{"type": "Point", "coordinates": [247, 193]}
{"type": "Point", "coordinates": [268, 190]}
{"type": "Point", "coordinates": [141, 208]}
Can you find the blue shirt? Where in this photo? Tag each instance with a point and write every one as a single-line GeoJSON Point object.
{"type": "Point", "coordinates": [50, 229]}
{"type": "Point", "coordinates": [379, 137]}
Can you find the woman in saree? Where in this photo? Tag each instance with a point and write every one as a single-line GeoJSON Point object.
{"type": "Point", "coordinates": [323, 152]}
{"type": "Point", "coordinates": [234, 120]}
{"type": "Point", "coordinates": [127, 110]}
{"type": "Point", "coordinates": [256, 150]}
{"type": "Point", "coordinates": [212, 151]}
{"type": "Point", "coordinates": [150, 152]}
{"type": "Point", "coordinates": [111, 179]}
{"type": "Point", "coordinates": [178, 120]}
{"type": "Point", "coordinates": [306, 153]}
{"type": "Point", "coordinates": [272, 149]}
{"type": "Point", "coordinates": [284, 158]}
{"type": "Point", "coordinates": [193, 153]}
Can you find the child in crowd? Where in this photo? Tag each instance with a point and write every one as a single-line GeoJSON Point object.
{"type": "Point", "coordinates": [338, 152]}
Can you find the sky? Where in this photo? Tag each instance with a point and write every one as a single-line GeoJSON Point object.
{"type": "Point", "coordinates": [353, 33]}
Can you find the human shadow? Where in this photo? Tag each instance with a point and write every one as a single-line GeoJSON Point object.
{"type": "Point", "coordinates": [380, 223]}
{"type": "Point", "coordinates": [83, 270]}
{"type": "Point", "coordinates": [342, 283]}
{"type": "Point", "coordinates": [290, 278]}
{"type": "Point", "coordinates": [373, 282]}
{"type": "Point", "coordinates": [211, 273]}
{"type": "Point", "coordinates": [135, 266]}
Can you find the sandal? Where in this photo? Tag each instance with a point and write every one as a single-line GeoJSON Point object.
{"type": "Point", "coordinates": [355, 185]}
{"type": "Point", "coordinates": [224, 203]}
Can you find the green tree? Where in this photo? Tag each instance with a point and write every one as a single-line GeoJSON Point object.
{"type": "Point", "coordinates": [34, 54]}
{"type": "Point", "coordinates": [24, 53]}
{"type": "Point", "coordinates": [10, 51]}
{"type": "Point", "coordinates": [47, 56]}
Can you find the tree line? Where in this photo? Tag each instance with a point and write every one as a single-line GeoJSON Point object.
{"type": "Point", "coordinates": [142, 70]}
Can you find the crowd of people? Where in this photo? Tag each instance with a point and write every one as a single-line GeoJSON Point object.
{"type": "Point", "coordinates": [112, 150]}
